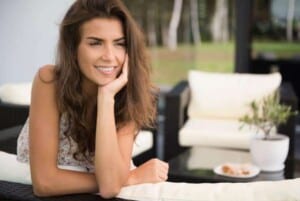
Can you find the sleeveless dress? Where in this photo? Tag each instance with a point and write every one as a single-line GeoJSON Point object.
{"type": "Point", "coordinates": [65, 153]}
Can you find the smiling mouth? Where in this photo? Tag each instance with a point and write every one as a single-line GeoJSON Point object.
{"type": "Point", "coordinates": [106, 69]}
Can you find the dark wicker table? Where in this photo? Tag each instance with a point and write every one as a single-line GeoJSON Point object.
{"type": "Point", "coordinates": [22, 192]}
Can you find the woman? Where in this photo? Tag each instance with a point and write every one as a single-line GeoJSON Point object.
{"type": "Point", "coordinates": [87, 108]}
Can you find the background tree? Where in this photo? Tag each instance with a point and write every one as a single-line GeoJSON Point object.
{"type": "Point", "coordinates": [195, 21]}
{"type": "Point", "coordinates": [164, 8]}
{"type": "Point", "coordinates": [184, 28]}
{"type": "Point", "coordinates": [174, 22]}
{"type": "Point", "coordinates": [152, 22]}
{"type": "Point", "coordinates": [290, 20]}
{"type": "Point", "coordinates": [219, 25]}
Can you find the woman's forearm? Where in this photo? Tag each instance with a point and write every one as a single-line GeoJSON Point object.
{"type": "Point", "coordinates": [62, 182]}
{"type": "Point", "coordinates": [110, 168]}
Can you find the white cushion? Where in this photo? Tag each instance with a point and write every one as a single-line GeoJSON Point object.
{"type": "Point", "coordinates": [16, 93]}
{"type": "Point", "coordinates": [14, 171]}
{"type": "Point", "coordinates": [216, 133]}
{"type": "Point", "coordinates": [143, 142]}
{"type": "Point", "coordinates": [287, 190]}
{"type": "Point", "coordinates": [227, 95]}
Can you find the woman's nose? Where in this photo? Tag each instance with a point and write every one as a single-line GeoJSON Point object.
{"type": "Point", "coordinates": [107, 53]}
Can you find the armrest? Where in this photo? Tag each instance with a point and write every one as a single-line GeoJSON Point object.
{"type": "Point", "coordinates": [8, 139]}
{"type": "Point", "coordinates": [175, 116]}
{"type": "Point", "coordinates": [12, 114]}
{"type": "Point", "coordinates": [16, 191]}
{"type": "Point", "coordinates": [288, 97]}
{"type": "Point", "coordinates": [151, 153]}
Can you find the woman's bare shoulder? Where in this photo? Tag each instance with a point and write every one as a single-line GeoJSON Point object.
{"type": "Point", "coordinates": [44, 81]}
{"type": "Point", "coordinates": [46, 73]}
{"type": "Point", "coordinates": [44, 88]}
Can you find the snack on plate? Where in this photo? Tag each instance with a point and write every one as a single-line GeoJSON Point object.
{"type": "Point", "coordinates": [236, 169]}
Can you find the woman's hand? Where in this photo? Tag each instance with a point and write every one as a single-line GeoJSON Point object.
{"type": "Point", "coordinates": [152, 171]}
{"type": "Point", "coordinates": [116, 85]}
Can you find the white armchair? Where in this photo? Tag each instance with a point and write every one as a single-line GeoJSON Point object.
{"type": "Point", "coordinates": [14, 104]}
{"type": "Point", "coordinates": [217, 102]}
{"type": "Point", "coordinates": [205, 110]}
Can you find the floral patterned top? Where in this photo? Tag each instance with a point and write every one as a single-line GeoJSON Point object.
{"type": "Point", "coordinates": [65, 153]}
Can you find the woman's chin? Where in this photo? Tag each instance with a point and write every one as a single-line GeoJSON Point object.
{"type": "Point", "coordinates": [105, 82]}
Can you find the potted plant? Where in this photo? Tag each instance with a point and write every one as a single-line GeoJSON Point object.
{"type": "Point", "coordinates": [268, 148]}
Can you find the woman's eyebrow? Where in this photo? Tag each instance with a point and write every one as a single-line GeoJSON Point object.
{"type": "Point", "coordinates": [100, 39]}
{"type": "Point", "coordinates": [120, 39]}
{"type": "Point", "coordinates": [94, 38]}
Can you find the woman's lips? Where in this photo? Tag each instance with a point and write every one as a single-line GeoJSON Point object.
{"type": "Point", "coordinates": [107, 70]}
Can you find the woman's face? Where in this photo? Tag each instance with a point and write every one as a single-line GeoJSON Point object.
{"type": "Point", "coordinates": [101, 51]}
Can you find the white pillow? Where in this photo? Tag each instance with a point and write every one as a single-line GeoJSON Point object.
{"type": "Point", "coordinates": [227, 95]}
{"type": "Point", "coordinates": [216, 133]}
{"type": "Point", "coordinates": [285, 190]}
{"type": "Point", "coordinates": [14, 171]}
{"type": "Point", "coordinates": [142, 143]}
{"type": "Point", "coordinates": [16, 93]}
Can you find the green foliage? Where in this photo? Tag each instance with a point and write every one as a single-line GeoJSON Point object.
{"type": "Point", "coordinates": [169, 67]}
{"type": "Point", "coordinates": [268, 114]}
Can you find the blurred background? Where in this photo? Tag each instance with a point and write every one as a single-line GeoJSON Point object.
{"type": "Point", "coordinates": [181, 34]}
{"type": "Point", "coordinates": [200, 34]}
{"type": "Point", "coordinates": [253, 36]}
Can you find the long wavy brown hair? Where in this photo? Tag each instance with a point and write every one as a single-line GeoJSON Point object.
{"type": "Point", "coordinates": [135, 102]}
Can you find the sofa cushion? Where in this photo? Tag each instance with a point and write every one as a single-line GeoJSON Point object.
{"type": "Point", "coordinates": [12, 170]}
{"type": "Point", "coordinates": [287, 190]}
{"type": "Point", "coordinates": [15, 171]}
{"type": "Point", "coordinates": [216, 133]}
{"type": "Point", "coordinates": [142, 143]}
{"type": "Point", "coordinates": [19, 93]}
{"type": "Point", "coordinates": [227, 95]}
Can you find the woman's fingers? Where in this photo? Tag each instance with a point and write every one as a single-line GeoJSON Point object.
{"type": "Point", "coordinates": [163, 175]}
{"type": "Point", "coordinates": [152, 171]}
{"type": "Point", "coordinates": [162, 169]}
{"type": "Point", "coordinates": [123, 78]}
{"type": "Point", "coordinates": [165, 171]}
{"type": "Point", "coordinates": [125, 68]}
{"type": "Point", "coordinates": [124, 75]}
{"type": "Point", "coordinates": [116, 85]}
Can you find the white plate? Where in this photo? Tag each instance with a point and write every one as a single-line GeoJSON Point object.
{"type": "Point", "coordinates": [253, 170]}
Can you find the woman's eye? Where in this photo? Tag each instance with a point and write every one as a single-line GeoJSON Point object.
{"type": "Point", "coordinates": [121, 44]}
{"type": "Point", "coordinates": [95, 43]}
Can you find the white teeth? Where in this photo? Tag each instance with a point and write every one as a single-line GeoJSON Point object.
{"type": "Point", "coordinates": [105, 69]}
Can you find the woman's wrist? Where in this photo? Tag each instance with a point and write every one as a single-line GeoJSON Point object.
{"type": "Point", "coordinates": [105, 96]}
{"type": "Point", "coordinates": [105, 101]}
{"type": "Point", "coordinates": [132, 179]}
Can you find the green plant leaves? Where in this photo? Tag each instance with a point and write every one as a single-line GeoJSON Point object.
{"type": "Point", "coordinates": [267, 114]}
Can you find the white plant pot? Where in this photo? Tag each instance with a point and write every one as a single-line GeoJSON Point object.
{"type": "Point", "coordinates": [270, 155]}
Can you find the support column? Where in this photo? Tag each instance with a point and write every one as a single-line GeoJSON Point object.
{"type": "Point", "coordinates": [243, 37]}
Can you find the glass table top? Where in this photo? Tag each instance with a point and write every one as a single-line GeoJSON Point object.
{"type": "Point", "coordinates": [197, 165]}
